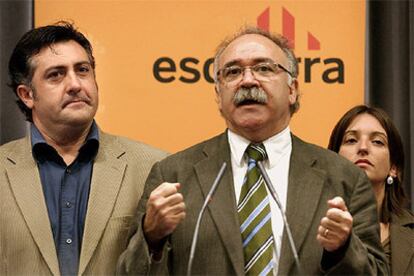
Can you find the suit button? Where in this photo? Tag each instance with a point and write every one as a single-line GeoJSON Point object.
{"type": "Point", "coordinates": [68, 241]}
{"type": "Point", "coordinates": [68, 204]}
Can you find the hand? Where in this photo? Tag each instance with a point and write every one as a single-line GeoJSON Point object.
{"type": "Point", "coordinates": [336, 226]}
{"type": "Point", "coordinates": [165, 210]}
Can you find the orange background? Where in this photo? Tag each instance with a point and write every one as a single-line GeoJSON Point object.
{"type": "Point", "coordinates": [129, 36]}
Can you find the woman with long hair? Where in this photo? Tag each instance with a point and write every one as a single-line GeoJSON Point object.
{"type": "Point", "coordinates": [368, 138]}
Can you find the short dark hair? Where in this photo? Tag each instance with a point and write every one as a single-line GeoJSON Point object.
{"type": "Point", "coordinates": [395, 198]}
{"type": "Point", "coordinates": [20, 67]}
{"type": "Point", "coordinates": [281, 41]}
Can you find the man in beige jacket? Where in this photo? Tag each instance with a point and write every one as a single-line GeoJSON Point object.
{"type": "Point", "coordinates": [69, 191]}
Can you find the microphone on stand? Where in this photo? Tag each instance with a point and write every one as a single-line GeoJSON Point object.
{"type": "Point", "coordinates": [200, 215]}
{"type": "Point", "coordinates": [279, 204]}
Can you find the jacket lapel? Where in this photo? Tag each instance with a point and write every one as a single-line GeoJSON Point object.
{"type": "Point", "coordinates": [222, 208]}
{"type": "Point", "coordinates": [24, 178]}
{"type": "Point", "coordinates": [304, 192]}
{"type": "Point", "coordinates": [108, 172]}
{"type": "Point", "coordinates": [402, 240]}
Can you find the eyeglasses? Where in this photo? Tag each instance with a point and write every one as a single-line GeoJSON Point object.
{"type": "Point", "coordinates": [262, 71]}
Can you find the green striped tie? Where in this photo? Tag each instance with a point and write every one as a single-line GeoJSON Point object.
{"type": "Point", "coordinates": [255, 217]}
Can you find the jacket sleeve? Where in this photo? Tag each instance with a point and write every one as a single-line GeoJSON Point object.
{"type": "Point", "coordinates": [137, 259]}
{"type": "Point", "coordinates": [363, 254]}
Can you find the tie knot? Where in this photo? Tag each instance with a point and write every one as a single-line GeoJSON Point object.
{"type": "Point", "coordinates": [257, 152]}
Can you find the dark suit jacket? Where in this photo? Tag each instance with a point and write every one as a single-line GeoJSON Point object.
{"type": "Point", "coordinates": [315, 175]}
{"type": "Point", "coordinates": [26, 240]}
{"type": "Point", "coordinates": [402, 244]}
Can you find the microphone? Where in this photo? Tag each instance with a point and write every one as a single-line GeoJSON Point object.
{"type": "Point", "coordinates": [279, 204]}
{"type": "Point", "coordinates": [200, 215]}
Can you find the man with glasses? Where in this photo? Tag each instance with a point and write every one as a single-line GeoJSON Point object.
{"type": "Point", "coordinates": [329, 203]}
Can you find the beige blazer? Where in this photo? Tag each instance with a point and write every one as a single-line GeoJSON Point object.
{"type": "Point", "coordinates": [26, 239]}
{"type": "Point", "coordinates": [315, 175]}
{"type": "Point", "coordinates": [402, 244]}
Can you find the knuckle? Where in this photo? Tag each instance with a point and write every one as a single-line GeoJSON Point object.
{"type": "Point", "coordinates": [339, 200]}
{"type": "Point", "coordinates": [331, 212]}
{"type": "Point", "coordinates": [153, 196]}
{"type": "Point", "coordinates": [150, 205]}
{"type": "Point", "coordinates": [180, 196]}
{"type": "Point", "coordinates": [156, 204]}
{"type": "Point", "coordinates": [163, 214]}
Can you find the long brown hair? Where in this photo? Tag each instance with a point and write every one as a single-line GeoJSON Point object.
{"type": "Point", "coordinates": [395, 199]}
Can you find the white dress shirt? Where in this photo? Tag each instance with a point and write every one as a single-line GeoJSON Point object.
{"type": "Point", "coordinates": [278, 149]}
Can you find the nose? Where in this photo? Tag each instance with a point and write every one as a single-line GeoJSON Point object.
{"type": "Point", "coordinates": [363, 147]}
{"type": "Point", "coordinates": [73, 83]}
{"type": "Point", "coordinates": [248, 79]}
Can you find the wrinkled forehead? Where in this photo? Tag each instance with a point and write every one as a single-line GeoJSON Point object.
{"type": "Point", "coordinates": [250, 48]}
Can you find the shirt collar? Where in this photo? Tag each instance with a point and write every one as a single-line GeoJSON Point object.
{"type": "Point", "coordinates": [276, 146]}
{"type": "Point", "coordinates": [40, 146]}
{"type": "Point", "coordinates": [36, 136]}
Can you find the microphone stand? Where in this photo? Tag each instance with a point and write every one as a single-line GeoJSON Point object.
{"type": "Point", "coordinates": [200, 215]}
{"type": "Point", "coordinates": [287, 228]}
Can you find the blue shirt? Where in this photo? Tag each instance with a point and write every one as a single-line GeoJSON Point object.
{"type": "Point", "coordinates": [66, 191]}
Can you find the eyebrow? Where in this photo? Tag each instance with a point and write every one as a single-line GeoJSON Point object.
{"type": "Point", "coordinates": [371, 134]}
{"type": "Point", "coordinates": [59, 67]}
{"type": "Point", "coordinates": [256, 60]}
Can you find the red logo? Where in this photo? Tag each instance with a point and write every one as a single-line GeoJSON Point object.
{"type": "Point", "coordinates": [288, 28]}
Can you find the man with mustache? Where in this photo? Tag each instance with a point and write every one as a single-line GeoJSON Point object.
{"type": "Point", "coordinates": [329, 203]}
{"type": "Point", "coordinates": [69, 191]}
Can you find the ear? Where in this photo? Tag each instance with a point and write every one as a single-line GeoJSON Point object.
{"type": "Point", "coordinates": [218, 99]}
{"type": "Point", "coordinates": [293, 94]}
{"type": "Point", "coordinates": [25, 94]}
{"type": "Point", "coordinates": [393, 171]}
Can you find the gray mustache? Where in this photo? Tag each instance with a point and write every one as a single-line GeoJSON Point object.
{"type": "Point", "coordinates": [250, 94]}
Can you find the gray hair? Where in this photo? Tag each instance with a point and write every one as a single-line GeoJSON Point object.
{"type": "Point", "coordinates": [279, 40]}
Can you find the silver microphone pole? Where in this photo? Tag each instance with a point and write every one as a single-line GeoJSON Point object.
{"type": "Point", "coordinates": [276, 198]}
{"type": "Point", "coordinates": [200, 215]}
